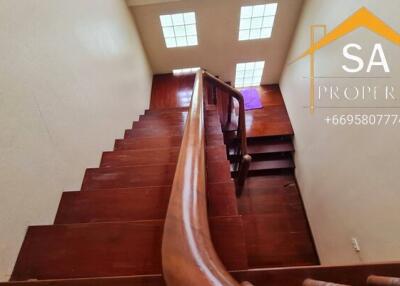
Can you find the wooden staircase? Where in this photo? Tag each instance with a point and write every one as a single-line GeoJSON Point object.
{"type": "Point", "coordinates": [113, 231]}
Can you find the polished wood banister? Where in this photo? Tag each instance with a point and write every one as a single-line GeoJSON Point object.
{"type": "Point", "coordinates": [188, 255]}
{"type": "Point", "coordinates": [374, 280]}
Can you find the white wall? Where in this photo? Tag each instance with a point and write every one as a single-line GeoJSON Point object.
{"type": "Point", "coordinates": [73, 76]}
{"type": "Point", "coordinates": [349, 176]}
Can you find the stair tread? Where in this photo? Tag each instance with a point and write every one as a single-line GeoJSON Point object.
{"type": "Point", "coordinates": [146, 175]}
{"type": "Point", "coordinates": [291, 244]}
{"type": "Point", "coordinates": [161, 141]}
{"type": "Point", "coordinates": [139, 280]}
{"type": "Point", "coordinates": [113, 249]}
{"type": "Point", "coordinates": [166, 110]}
{"type": "Point", "coordinates": [151, 122]}
{"type": "Point", "coordinates": [121, 158]}
{"type": "Point", "coordinates": [129, 204]}
{"type": "Point", "coordinates": [275, 147]}
{"type": "Point", "coordinates": [156, 131]}
{"type": "Point", "coordinates": [132, 176]}
{"type": "Point", "coordinates": [272, 164]}
{"type": "Point", "coordinates": [148, 142]}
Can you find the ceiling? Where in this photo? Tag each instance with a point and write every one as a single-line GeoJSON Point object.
{"type": "Point", "coordinates": [217, 26]}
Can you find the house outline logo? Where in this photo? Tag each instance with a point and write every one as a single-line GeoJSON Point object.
{"type": "Point", "coordinates": [362, 18]}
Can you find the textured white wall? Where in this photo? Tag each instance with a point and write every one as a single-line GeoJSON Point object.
{"type": "Point", "coordinates": [348, 175]}
{"type": "Point", "coordinates": [73, 76]}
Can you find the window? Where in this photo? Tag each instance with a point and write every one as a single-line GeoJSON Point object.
{"type": "Point", "coordinates": [249, 74]}
{"type": "Point", "coordinates": [185, 71]}
{"type": "Point", "coordinates": [256, 22]}
{"type": "Point", "coordinates": [179, 29]}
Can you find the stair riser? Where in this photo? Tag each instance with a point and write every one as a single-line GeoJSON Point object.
{"type": "Point", "coordinates": [145, 143]}
{"type": "Point", "coordinates": [265, 157]}
{"type": "Point", "coordinates": [127, 177]}
{"type": "Point", "coordinates": [113, 249]}
{"type": "Point", "coordinates": [154, 132]}
{"type": "Point", "coordinates": [125, 158]}
{"type": "Point", "coordinates": [136, 204]}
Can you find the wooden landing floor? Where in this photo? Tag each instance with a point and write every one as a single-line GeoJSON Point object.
{"type": "Point", "coordinates": [272, 119]}
{"type": "Point", "coordinates": [175, 91]}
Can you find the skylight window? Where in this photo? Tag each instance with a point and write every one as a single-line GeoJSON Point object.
{"type": "Point", "coordinates": [256, 22]}
{"type": "Point", "coordinates": [185, 71]}
{"type": "Point", "coordinates": [179, 29]}
{"type": "Point", "coordinates": [249, 74]}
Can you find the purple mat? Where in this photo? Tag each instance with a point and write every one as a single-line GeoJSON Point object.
{"type": "Point", "coordinates": [251, 98]}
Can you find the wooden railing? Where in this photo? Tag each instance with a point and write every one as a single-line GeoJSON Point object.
{"type": "Point", "coordinates": [227, 107]}
{"type": "Point", "coordinates": [188, 255]}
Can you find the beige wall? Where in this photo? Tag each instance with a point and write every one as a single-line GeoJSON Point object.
{"type": "Point", "coordinates": [349, 176]}
{"type": "Point", "coordinates": [218, 28]}
{"type": "Point", "coordinates": [73, 76]}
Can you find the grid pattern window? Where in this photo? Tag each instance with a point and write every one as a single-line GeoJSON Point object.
{"type": "Point", "coordinates": [249, 74]}
{"type": "Point", "coordinates": [185, 71]}
{"type": "Point", "coordinates": [256, 22]}
{"type": "Point", "coordinates": [179, 29]}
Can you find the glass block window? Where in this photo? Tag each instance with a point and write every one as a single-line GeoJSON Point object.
{"type": "Point", "coordinates": [179, 29]}
{"type": "Point", "coordinates": [256, 22]}
{"type": "Point", "coordinates": [249, 74]}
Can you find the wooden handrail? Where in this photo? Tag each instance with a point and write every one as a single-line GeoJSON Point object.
{"type": "Point", "coordinates": [374, 280]}
{"type": "Point", "coordinates": [311, 282]}
{"type": "Point", "coordinates": [188, 255]}
{"type": "Point", "coordinates": [245, 158]}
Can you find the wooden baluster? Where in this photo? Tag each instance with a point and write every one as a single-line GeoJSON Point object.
{"type": "Point", "coordinates": [226, 104]}
{"type": "Point", "coordinates": [311, 282]}
{"type": "Point", "coordinates": [242, 174]}
{"type": "Point", "coordinates": [383, 281]}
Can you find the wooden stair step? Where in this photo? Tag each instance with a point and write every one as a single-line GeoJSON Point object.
{"type": "Point", "coordinates": [125, 177]}
{"type": "Point", "coordinates": [148, 143]}
{"type": "Point", "coordinates": [177, 117]}
{"type": "Point", "coordinates": [269, 167]}
{"type": "Point", "coordinates": [113, 249]}
{"type": "Point", "coordinates": [266, 128]}
{"type": "Point", "coordinates": [90, 250]}
{"type": "Point", "coordinates": [140, 143]}
{"type": "Point", "coordinates": [140, 280]}
{"type": "Point", "coordinates": [270, 194]}
{"type": "Point", "coordinates": [166, 110]}
{"type": "Point", "coordinates": [130, 204]}
{"type": "Point", "coordinates": [181, 116]}
{"type": "Point", "coordinates": [113, 205]}
{"type": "Point", "coordinates": [155, 131]}
{"type": "Point", "coordinates": [149, 122]}
{"type": "Point", "coordinates": [122, 158]}
{"type": "Point", "coordinates": [146, 175]}
{"type": "Point", "coordinates": [275, 147]}
{"type": "Point", "coordinates": [278, 240]}
{"type": "Point", "coordinates": [271, 164]}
